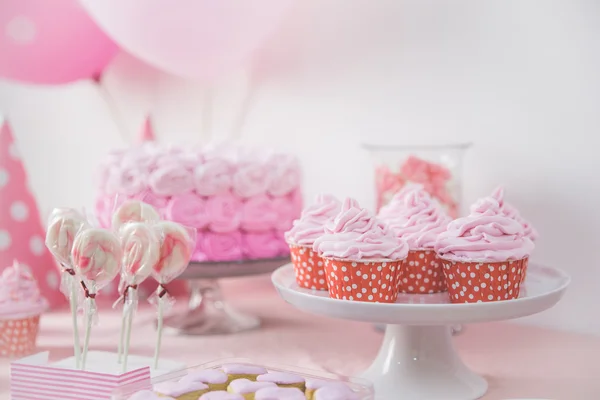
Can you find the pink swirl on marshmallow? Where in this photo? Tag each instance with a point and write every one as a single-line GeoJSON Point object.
{"type": "Point", "coordinates": [486, 235]}
{"type": "Point", "coordinates": [251, 179]}
{"type": "Point", "coordinates": [260, 245]}
{"type": "Point", "coordinates": [225, 212]}
{"type": "Point", "coordinates": [258, 214]}
{"type": "Point", "coordinates": [511, 212]}
{"type": "Point", "coordinates": [311, 223]}
{"type": "Point", "coordinates": [220, 246]}
{"type": "Point", "coordinates": [188, 209]}
{"type": "Point", "coordinates": [212, 177]}
{"type": "Point", "coordinates": [355, 234]}
{"type": "Point", "coordinates": [285, 174]}
{"type": "Point", "coordinates": [416, 218]}
{"type": "Point", "coordinates": [171, 180]}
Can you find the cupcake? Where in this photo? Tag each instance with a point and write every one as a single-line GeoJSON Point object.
{"type": "Point", "coordinates": [242, 371]}
{"type": "Point", "coordinates": [308, 266]}
{"type": "Point", "coordinates": [483, 255]}
{"type": "Point", "coordinates": [181, 390]}
{"type": "Point", "coordinates": [414, 217]}
{"type": "Point", "coordinates": [215, 379]}
{"type": "Point", "coordinates": [283, 379]}
{"type": "Point", "coordinates": [247, 388]}
{"type": "Point", "coordinates": [511, 212]}
{"type": "Point", "coordinates": [279, 393]}
{"type": "Point", "coordinates": [362, 256]}
{"type": "Point", "coordinates": [20, 308]}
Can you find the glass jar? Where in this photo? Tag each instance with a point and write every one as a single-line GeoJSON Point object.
{"type": "Point", "coordinates": [438, 168]}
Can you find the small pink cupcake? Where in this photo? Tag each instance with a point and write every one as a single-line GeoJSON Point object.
{"type": "Point", "coordinates": [511, 212]}
{"type": "Point", "coordinates": [308, 266]}
{"type": "Point", "coordinates": [21, 306]}
{"type": "Point", "coordinates": [483, 255]}
{"type": "Point", "coordinates": [415, 217]}
{"type": "Point", "coordinates": [362, 256]}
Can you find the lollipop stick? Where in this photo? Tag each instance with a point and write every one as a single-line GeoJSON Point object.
{"type": "Point", "coordinates": [90, 298]}
{"type": "Point", "coordinates": [73, 302]}
{"type": "Point", "coordinates": [128, 334]}
{"type": "Point", "coordinates": [159, 332]}
{"type": "Point", "coordinates": [86, 343]}
{"type": "Point", "coordinates": [121, 338]}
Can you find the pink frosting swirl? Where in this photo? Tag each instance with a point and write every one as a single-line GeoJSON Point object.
{"type": "Point", "coordinates": [188, 209]}
{"type": "Point", "coordinates": [311, 223]}
{"type": "Point", "coordinates": [19, 292]}
{"type": "Point", "coordinates": [285, 174]}
{"type": "Point", "coordinates": [213, 176]}
{"type": "Point", "coordinates": [260, 245]}
{"type": "Point", "coordinates": [220, 246]}
{"type": "Point", "coordinates": [286, 212]}
{"type": "Point", "coordinates": [416, 218]}
{"type": "Point", "coordinates": [155, 200]}
{"type": "Point", "coordinates": [258, 214]}
{"type": "Point", "coordinates": [129, 181]}
{"type": "Point", "coordinates": [357, 235]}
{"type": "Point", "coordinates": [511, 212]}
{"type": "Point", "coordinates": [251, 179]}
{"type": "Point", "coordinates": [486, 235]}
{"type": "Point", "coordinates": [171, 180]}
{"type": "Point", "coordinates": [225, 212]}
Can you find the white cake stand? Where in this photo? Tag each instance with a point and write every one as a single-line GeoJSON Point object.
{"type": "Point", "coordinates": [417, 360]}
{"type": "Point", "coordinates": [208, 312]}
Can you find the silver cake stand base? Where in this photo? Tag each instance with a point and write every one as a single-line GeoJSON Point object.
{"type": "Point", "coordinates": [208, 312]}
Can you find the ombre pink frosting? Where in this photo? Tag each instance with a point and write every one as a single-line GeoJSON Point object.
{"type": "Point", "coordinates": [486, 235]}
{"type": "Point", "coordinates": [311, 224]}
{"type": "Point", "coordinates": [220, 246]}
{"type": "Point", "coordinates": [416, 218]}
{"type": "Point", "coordinates": [225, 212]}
{"type": "Point", "coordinates": [260, 245]}
{"type": "Point", "coordinates": [258, 214]}
{"type": "Point", "coordinates": [356, 234]}
{"type": "Point", "coordinates": [171, 179]}
{"type": "Point", "coordinates": [285, 174]}
{"type": "Point", "coordinates": [511, 211]}
{"type": "Point", "coordinates": [19, 293]}
{"type": "Point", "coordinates": [213, 176]}
{"type": "Point", "coordinates": [189, 210]}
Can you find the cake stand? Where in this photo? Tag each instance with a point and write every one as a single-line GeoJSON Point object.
{"type": "Point", "coordinates": [417, 360]}
{"type": "Point", "coordinates": [208, 313]}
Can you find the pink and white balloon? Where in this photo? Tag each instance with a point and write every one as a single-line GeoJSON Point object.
{"type": "Point", "coordinates": [51, 42]}
{"type": "Point", "coordinates": [199, 39]}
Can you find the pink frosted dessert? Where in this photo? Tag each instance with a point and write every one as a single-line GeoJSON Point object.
{"type": "Point", "coordinates": [279, 393]}
{"type": "Point", "coordinates": [337, 392]}
{"type": "Point", "coordinates": [176, 389]}
{"type": "Point", "coordinates": [283, 379]}
{"type": "Point", "coordinates": [221, 395]}
{"type": "Point", "coordinates": [308, 265]}
{"type": "Point", "coordinates": [21, 306]}
{"type": "Point", "coordinates": [511, 212]}
{"type": "Point", "coordinates": [214, 378]}
{"type": "Point", "coordinates": [246, 386]}
{"type": "Point", "coordinates": [362, 256]}
{"type": "Point", "coordinates": [243, 371]}
{"type": "Point", "coordinates": [415, 217]}
{"type": "Point", "coordinates": [484, 254]}
{"type": "Point", "coordinates": [224, 189]}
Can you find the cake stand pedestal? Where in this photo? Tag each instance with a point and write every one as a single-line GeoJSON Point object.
{"type": "Point", "coordinates": [417, 360]}
{"type": "Point", "coordinates": [208, 313]}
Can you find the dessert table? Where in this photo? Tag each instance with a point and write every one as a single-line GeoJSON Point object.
{"type": "Point", "coordinates": [518, 361]}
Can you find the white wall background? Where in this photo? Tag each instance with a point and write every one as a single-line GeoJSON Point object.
{"type": "Point", "coordinates": [519, 78]}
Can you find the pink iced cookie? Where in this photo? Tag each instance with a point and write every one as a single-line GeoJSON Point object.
{"type": "Point", "coordinates": [148, 395]}
{"type": "Point", "coordinates": [243, 369]}
{"type": "Point", "coordinates": [279, 393]}
{"type": "Point", "coordinates": [335, 392]}
{"type": "Point", "coordinates": [281, 378]}
{"type": "Point", "coordinates": [176, 389]}
{"type": "Point", "coordinates": [245, 386]}
{"type": "Point", "coordinates": [208, 376]}
{"type": "Point", "coordinates": [221, 395]}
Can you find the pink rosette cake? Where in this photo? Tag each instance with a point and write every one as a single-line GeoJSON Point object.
{"type": "Point", "coordinates": [21, 306]}
{"type": "Point", "coordinates": [362, 256]}
{"type": "Point", "coordinates": [416, 218]}
{"type": "Point", "coordinates": [308, 265]}
{"type": "Point", "coordinates": [483, 254]}
{"type": "Point", "coordinates": [225, 192]}
{"type": "Point", "coordinates": [511, 212]}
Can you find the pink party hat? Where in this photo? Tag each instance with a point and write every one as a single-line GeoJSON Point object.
{"type": "Point", "coordinates": [147, 133]}
{"type": "Point", "coordinates": [21, 231]}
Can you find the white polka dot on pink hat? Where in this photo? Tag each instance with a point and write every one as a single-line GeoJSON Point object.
{"type": "Point", "coordinates": [21, 231]}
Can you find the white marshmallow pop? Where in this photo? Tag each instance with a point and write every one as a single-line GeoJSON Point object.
{"type": "Point", "coordinates": [134, 211]}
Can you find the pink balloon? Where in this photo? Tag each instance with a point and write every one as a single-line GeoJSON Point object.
{"type": "Point", "coordinates": [198, 39]}
{"type": "Point", "coordinates": [50, 42]}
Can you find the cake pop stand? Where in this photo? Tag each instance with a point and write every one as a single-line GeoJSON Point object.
{"type": "Point", "coordinates": [417, 360]}
{"type": "Point", "coordinates": [208, 313]}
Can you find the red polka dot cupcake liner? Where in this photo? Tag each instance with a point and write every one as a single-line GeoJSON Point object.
{"type": "Point", "coordinates": [476, 282]}
{"type": "Point", "coordinates": [308, 267]}
{"type": "Point", "coordinates": [525, 264]}
{"type": "Point", "coordinates": [370, 281]}
{"type": "Point", "coordinates": [18, 336]}
{"type": "Point", "coordinates": [422, 273]}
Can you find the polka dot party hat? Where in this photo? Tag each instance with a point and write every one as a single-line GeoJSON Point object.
{"type": "Point", "coordinates": [21, 231]}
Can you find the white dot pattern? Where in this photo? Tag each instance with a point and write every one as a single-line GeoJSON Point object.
{"type": "Point", "coordinates": [308, 267]}
{"type": "Point", "coordinates": [18, 336]}
{"type": "Point", "coordinates": [422, 273]}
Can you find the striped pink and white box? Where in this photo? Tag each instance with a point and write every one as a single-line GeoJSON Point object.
{"type": "Point", "coordinates": [33, 378]}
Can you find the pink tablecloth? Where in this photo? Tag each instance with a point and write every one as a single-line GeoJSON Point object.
{"type": "Point", "coordinates": [518, 361]}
